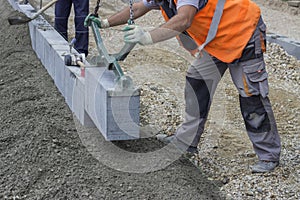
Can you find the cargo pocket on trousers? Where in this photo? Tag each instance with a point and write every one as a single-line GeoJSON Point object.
{"type": "Point", "coordinates": [255, 77]}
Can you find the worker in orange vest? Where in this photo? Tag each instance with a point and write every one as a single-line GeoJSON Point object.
{"type": "Point", "coordinates": [221, 35]}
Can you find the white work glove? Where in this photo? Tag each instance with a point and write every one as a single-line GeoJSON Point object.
{"type": "Point", "coordinates": [101, 23]}
{"type": "Point", "coordinates": [135, 34]}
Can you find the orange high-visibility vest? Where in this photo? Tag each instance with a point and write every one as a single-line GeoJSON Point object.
{"type": "Point", "coordinates": [235, 29]}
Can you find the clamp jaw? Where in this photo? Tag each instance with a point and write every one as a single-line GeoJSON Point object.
{"type": "Point", "coordinates": [111, 61]}
{"type": "Point", "coordinates": [124, 83]}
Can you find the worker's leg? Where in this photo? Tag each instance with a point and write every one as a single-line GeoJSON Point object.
{"type": "Point", "coordinates": [250, 78]}
{"type": "Point", "coordinates": [62, 13]}
{"type": "Point", "coordinates": [201, 81]}
{"type": "Point", "coordinates": [261, 127]}
{"type": "Point", "coordinates": [81, 8]}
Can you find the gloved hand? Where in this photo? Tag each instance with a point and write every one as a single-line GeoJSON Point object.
{"type": "Point", "coordinates": [101, 23]}
{"type": "Point", "coordinates": [135, 34]}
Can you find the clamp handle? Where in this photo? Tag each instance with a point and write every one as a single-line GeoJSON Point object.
{"type": "Point", "coordinates": [71, 44]}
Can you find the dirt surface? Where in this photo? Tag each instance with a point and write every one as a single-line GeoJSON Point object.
{"type": "Point", "coordinates": [44, 156]}
{"type": "Point", "coordinates": [281, 18]}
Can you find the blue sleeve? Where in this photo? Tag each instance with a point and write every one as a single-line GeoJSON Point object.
{"type": "Point", "coordinates": [199, 4]}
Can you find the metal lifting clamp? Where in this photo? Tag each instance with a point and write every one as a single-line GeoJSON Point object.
{"type": "Point", "coordinates": [111, 60]}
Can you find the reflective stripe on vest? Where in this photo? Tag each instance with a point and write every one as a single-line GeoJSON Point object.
{"type": "Point", "coordinates": [214, 24]}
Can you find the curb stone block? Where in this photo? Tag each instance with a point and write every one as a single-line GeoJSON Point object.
{"type": "Point", "coordinates": [111, 114]}
{"type": "Point", "coordinates": [32, 31]}
{"type": "Point", "coordinates": [294, 3]}
{"type": "Point", "coordinates": [70, 78]}
{"type": "Point", "coordinates": [39, 44]}
{"type": "Point", "coordinates": [51, 37]}
{"type": "Point", "coordinates": [93, 99]}
{"type": "Point", "coordinates": [56, 55]}
{"type": "Point", "coordinates": [42, 46]}
{"type": "Point", "coordinates": [91, 77]}
{"type": "Point", "coordinates": [51, 68]}
{"type": "Point", "coordinates": [290, 46]}
{"type": "Point", "coordinates": [59, 78]}
{"type": "Point", "coordinates": [123, 103]}
{"type": "Point", "coordinates": [78, 102]}
{"type": "Point", "coordinates": [14, 4]}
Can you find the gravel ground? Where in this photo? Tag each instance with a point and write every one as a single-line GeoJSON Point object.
{"type": "Point", "coordinates": [281, 18]}
{"type": "Point", "coordinates": [225, 151]}
{"type": "Point", "coordinates": [44, 158]}
{"type": "Point", "coordinates": [44, 152]}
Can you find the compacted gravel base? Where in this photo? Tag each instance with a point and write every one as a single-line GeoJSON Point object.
{"type": "Point", "coordinates": [44, 156]}
{"type": "Point", "coordinates": [41, 154]}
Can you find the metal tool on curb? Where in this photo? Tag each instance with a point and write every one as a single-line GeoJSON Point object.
{"type": "Point", "coordinates": [76, 60]}
{"type": "Point", "coordinates": [71, 44]}
{"type": "Point", "coordinates": [17, 20]}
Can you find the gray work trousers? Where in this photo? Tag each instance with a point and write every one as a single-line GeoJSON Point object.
{"type": "Point", "coordinates": [251, 79]}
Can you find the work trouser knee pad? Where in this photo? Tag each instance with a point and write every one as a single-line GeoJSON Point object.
{"type": "Point", "coordinates": [254, 114]}
{"type": "Point", "coordinates": [197, 96]}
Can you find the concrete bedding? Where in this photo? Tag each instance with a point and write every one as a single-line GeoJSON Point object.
{"type": "Point", "coordinates": [42, 156]}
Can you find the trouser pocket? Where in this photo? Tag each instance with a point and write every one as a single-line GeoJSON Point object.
{"type": "Point", "coordinates": [255, 77]}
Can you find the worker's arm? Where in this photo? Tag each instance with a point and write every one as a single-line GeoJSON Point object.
{"type": "Point", "coordinates": [122, 17]}
{"type": "Point", "coordinates": [175, 25]}
{"type": "Point", "coordinates": [139, 9]}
